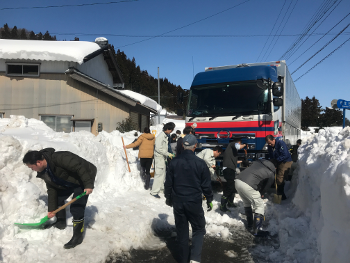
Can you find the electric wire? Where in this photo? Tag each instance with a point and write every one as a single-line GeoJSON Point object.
{"type": "Point", "coordinates": [319, 39]}
{"type": "Point", "coordinates": [321, 49]}
{"type": "Point", "coordinates": [307, 37]}
{"type": "Point", "coordinates": [282, 28]}
{"type": "Point", "coordinates": [60, 6]}
{"type": "Point", "coordinates": [190, 24]}
{"type": "Point", "coordinates": [277, 30]}
{"type": "Point", "coordinates": [323, 59]}
{"type": "Point", "coordinates": [272, 29]}
{"type": "Point", "coordinates": [323, 9]}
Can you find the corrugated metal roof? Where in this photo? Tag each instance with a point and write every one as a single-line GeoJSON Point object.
{"type": "Point", "coordinates": [72, 51]}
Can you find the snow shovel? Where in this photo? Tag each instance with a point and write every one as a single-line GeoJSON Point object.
{"type": "Point", "coordinates": [42, 222]}
{"type": "Point", "coordinates": [277, 199]}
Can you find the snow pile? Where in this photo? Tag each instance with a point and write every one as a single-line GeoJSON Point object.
{"type": "Point", "coordinates": [74, 51]}
{"type": "Point", "coordinates": [314, 227]}
{"type": "Point", "coordinates": [119, 216]}
{"type": "Point", "coordinates": [144, 100]}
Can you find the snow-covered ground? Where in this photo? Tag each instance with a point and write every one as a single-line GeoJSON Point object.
{"type": "Point", "coordinates": [120, 215]}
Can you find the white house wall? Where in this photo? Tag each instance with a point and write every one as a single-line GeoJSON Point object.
{"type": "Point", "coordinates": [97, 68]}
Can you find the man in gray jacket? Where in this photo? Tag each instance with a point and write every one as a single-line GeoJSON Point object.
{"type": "Point", "coordinates": [250, 185]}
{"type": "Point", "coordinates": [161, 153]}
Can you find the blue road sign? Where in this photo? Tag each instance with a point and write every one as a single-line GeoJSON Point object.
{"type": "Point", "coordinates": [343, 104]}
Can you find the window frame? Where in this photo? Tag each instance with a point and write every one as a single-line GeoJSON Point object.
{"type": "Point", "coordinates": [2, 114]}
{"type": "Point", "coordinates": [22, 64]}
{"type": "Point", "coordinates": [58, 115]}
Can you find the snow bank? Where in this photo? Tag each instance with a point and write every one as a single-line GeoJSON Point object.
{"type": "Point", "coordinates": [74, 51]}
{"type": "Point", "coordinates": [119, 214]}
{"type": "Point", "coordinates": [314, 226]}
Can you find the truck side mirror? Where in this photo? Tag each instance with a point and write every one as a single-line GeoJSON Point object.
{"type": "Point", "coordinates": [179, 112]}
{"type": "Point", "coordinates": [277, 89]}
{"type": "Point", "coordinates": [277, 102]}
{"type": "Point", "coordinates": [180, 97]}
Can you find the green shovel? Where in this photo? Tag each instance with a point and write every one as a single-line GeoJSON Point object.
{"type": "Point", "coordinates": [42, 222]}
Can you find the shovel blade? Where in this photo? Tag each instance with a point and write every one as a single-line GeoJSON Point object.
{"type": "Point", "coordinates": [277, 199]}
{"type": "Point", "coordinates": [39, 225]}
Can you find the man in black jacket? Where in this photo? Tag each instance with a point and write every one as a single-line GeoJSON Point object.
{"type": "Point", "coordinates": [250, 185]}
{"type": "Point", "coordinates": [187, 178]}
{"type": "Point", "coordinates": [229, 170]}
{"type": "Point", "coordinates": [64, 174]}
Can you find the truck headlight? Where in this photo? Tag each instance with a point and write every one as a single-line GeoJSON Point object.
{"type": "Point", "coordinates": [265, 147]}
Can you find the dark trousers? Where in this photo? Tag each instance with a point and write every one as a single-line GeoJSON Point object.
{"type": "Point", "coordinates": [230, 190]}
{"type": "Point", "coordinates": [146, 164]}
{"type": "Point", "coordinates": [77, 208]}
{"type": "Point", "coordinates": [192, 212]}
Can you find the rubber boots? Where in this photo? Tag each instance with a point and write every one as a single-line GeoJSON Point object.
{"type": "Point", "coordinates": [61, 222]}
{"type": "Point", "coordinates": [280, 191]}
{"type": "Point", "coordinates": [223, 207]}
{"type": "Point", "coordinates": [78, 231]}
{"type": "Point", "coordinates": [249, 215]}
{"type": "Point", "coordinates": [258, 220]}
{"type": "Point", "coordinates": [230, 202]}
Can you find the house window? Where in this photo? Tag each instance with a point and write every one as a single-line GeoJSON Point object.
{"type": "Point", "coordinates": [82, 126]}
{"type": "Point", "coordinates": [58, 123]}
{"type": "Point", "coordinates": [18, 69]}
{"type": "Point", "coordinates": [1, 115]}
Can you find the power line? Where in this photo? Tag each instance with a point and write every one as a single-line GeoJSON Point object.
{"type": "Point", "coordinates": [271, 30]}
{"type": "Point", "coordinates": [60, 6]}
{"type": "Point", "coordinates": [319, 39]}
{"type": "Point", "coordinates": [190, 24]}
{"type": "Point", "coordinates": [322, 60]}
{"type": "Point", "coordinates": [277, 29]}
{"type": "Point", "coordinates": [188, 36]}
{"type": "Point", "coordinates": [282, 28]}
{"type": "Point", "coordinates": [323, 9]}
{"type": "Point", "coordinates": [307, 37]}
{"type": "Point", "coordinates": [321, 49]}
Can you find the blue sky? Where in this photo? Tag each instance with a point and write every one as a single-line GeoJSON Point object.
{"type": "Point", "coordinates": [205, 33]}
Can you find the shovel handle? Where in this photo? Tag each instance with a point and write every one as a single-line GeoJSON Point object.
{"type": "Point", "coordinates": [70, 202]}
{"type": "Point", "coordinates": [127, 161]}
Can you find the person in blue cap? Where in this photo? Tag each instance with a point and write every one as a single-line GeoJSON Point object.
{"type": "Point", "coordinates": [187, 179]}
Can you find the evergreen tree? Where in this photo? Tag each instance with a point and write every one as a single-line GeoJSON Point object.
{"type": "Point", "coordinates": [32, 35]}
{"type": "Point", "coordinates": [330, 117]}
{"type": "Point", "coordinates": [23, 34]}
{"type": "Point", "coordinates": [5, 33]}
{"type": "Point", "coordinates": [310, 112]}
{"type": "Point", "coordinates": [39, 36]}
{"type": "Point", "coordinates": [47, 36]}
{"type": "Point", "coordinates": [14, 33]}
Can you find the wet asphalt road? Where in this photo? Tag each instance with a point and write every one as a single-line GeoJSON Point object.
{"type": "Point", "coordinates": [241, 247]}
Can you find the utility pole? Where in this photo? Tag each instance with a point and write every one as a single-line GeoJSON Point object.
{"type": "Point", "coordinates": [158, 97]}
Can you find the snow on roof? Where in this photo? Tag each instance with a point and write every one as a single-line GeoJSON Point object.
{"type": "Point", "coordinates": [73, 51]}
{"type": "Point", "coordinates": [144, 100]}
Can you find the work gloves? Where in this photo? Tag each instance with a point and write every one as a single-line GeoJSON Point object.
{"type": "Point", "coordinates": [171, 155]}
{"type": "Point", "coordinates": [169, 201]}
{"type": "Point", "coordinates": [210, 206]}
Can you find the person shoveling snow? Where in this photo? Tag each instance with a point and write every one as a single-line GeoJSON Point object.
{"type": "Point", "coordinates": [64, 174]}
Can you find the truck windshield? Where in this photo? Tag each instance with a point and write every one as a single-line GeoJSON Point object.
{"type": "Point", "coordinates": [239, 98]}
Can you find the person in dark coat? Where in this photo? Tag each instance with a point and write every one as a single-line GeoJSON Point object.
{"type": "Point", "coordinates": [64, 173]}
{"type": "Point", "coordinates": [251, 184]}
{"type": "Point", "coordinates": [278, 150]}
{"type": "Point", "coordinates": [229, 170]}
{"type": "Point", "coordinates": [179, 148]}
{"type": "Point", "coordinates": [187, 179]}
